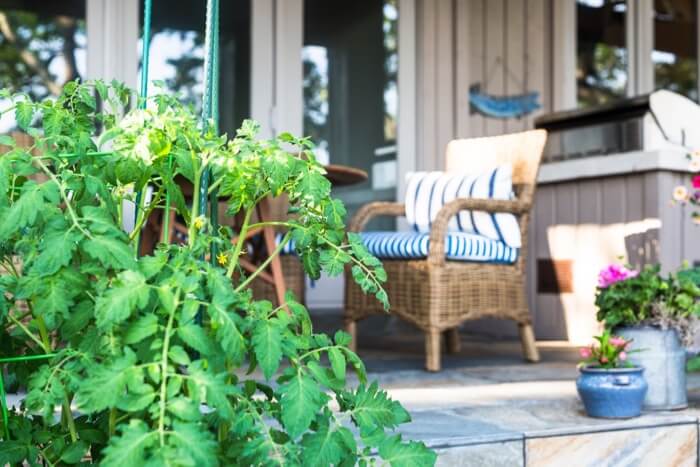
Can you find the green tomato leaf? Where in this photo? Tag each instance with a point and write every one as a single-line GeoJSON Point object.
{"type": "Point", "coordinates": [211, 388]}
{"type": "Point", "coordinates": [13, 452]}
{"type": "Point", "coordinates": [184, 408]}
{"type": "Point", "coordinates": [267, 346]}
{"type": "Point", "coordinates": [75, 452]}
{"type": "Point", "coordinates": [140, 329]}
{"type": "Point", "coordinates": [178, 355]}
{"type": "Point", "coordinates": [373, 408]}
{"type": "Point", "coordinates": [56, 251]}
{"type": "Point", "coordinates": [111, 252]}
{"type": "Point", "coordinates": [24, 113]}
{"type": "Point", "coordinates": [105, 383]}
{"type": "Point", "coordinates": [337, 362]}
{"type": "Point", "coordinates": [23, 212]}
{"type": "Point", "coordinates": [196, 337]}
{"type": "Point", "coordinates": [195, 445]}
{"type": "Point", "coordinates": [130, 447]}
{"type": "Point", "coordinates": [127, 294]}
{"type": "Point", "coordinates": [411, 454]}
{"type": "Point", "coordinates": [301, 399]}
{"type": "Point", "coordinates": [323, 447]}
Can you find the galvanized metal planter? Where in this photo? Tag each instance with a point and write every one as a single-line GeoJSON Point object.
{"type": "Point", "coordinates": [663, 357]}
{"type": "Point", "coordinates": [613, 393]}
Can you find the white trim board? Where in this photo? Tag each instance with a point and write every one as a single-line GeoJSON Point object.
{"type": "Point", "coordinates": [615, 164]}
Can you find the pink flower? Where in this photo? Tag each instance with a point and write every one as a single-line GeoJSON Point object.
{"type": "Point", "coordinates": [585, 352]}
{"type": "Point", "coordinates": [618, 341]}
{"type": "Point", "coordinates": [622, 356]}
{"type": "Point", "coordinates": [603, 359]}
{"type": "Point", "coordinates": [614, 273]}
{"type": "Point", "coordinates": [696, 181]}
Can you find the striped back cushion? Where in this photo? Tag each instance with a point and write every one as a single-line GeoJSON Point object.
{"type": "Point", "coordinates": [427, 192]}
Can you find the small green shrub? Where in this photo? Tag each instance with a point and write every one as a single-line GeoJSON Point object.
{"type": "Point", "coordinates": [157, 352]}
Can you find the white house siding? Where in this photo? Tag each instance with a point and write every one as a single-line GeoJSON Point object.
{"type": "Point", "coordinates": [463, 42]}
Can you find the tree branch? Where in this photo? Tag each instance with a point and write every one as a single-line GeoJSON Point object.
{"type": "Point", "coordinates": [28, 57]}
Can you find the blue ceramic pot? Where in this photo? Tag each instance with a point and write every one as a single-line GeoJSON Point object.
{"type": "Point", "coordinates": [613, 393]}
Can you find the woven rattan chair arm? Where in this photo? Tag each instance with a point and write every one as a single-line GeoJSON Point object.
{"type": "Point", "coordinates": [377, 208]}
{"type": "Point", "coordinates": [438, 230]}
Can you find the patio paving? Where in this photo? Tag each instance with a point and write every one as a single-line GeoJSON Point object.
{"type": "Point", "coordinates": [490, 408]}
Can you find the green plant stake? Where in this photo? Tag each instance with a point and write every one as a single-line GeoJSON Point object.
{"type": "Point", "coordinates": [145, 63]}
{"type": "Point", "coordinates": [3, 396]}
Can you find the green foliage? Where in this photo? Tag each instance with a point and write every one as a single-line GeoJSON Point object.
{"type": "Point", "coordinates": [639, 299]}
{"type": "Point", "coordinates": [159, 353]}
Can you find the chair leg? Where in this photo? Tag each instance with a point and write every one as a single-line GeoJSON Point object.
{"type": "Point", "coordinates": [351, 328]}
{"type": "Point", "coordinates": [432, 350]}
{"type": "Point", "coordinates": [454, 343]}
{"type": "Point", "coordinates": [527, 338]}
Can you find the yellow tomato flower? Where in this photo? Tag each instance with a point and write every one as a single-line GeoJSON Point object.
{"type": "Point", "coordinates": [199, 222]}
{"type": "Point", "coordinates": [222, 259]}
{"type": "Point", "coordinates": [680, 193]}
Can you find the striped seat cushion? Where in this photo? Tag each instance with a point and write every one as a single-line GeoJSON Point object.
{"type": "Point", "coordinates": [428, 192]}
{"type": "Point", "coordinates": [459, 246]}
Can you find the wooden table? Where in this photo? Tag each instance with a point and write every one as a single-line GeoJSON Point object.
{"type": "Point", "coordinates": [343, 175]}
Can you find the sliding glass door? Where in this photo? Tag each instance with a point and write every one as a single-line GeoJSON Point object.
{"type": "Point", "coordinates": [350, 92]}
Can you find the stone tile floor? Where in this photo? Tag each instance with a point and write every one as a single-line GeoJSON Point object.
{"type": "Point", "coordinates": [489, 407]}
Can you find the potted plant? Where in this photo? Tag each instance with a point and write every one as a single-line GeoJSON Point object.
{"type": "Point", "coordinates": [165, 359]}
{"type": "Point", "coordinates": [609, 386]}
{"type": "Point", "coordinates": [659, 313]}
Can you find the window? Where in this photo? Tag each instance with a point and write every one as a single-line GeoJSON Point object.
{"type": "Point", "coordinates": [350, 66]}
{"type": "Point", "coordinates": [177, 55]}
{"type": "Point", "coordinates": [601, 51]}
{"type": "Point", "coordinates": [676, 46]}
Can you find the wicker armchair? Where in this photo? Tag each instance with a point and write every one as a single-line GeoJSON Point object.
{"type": "Point", "coordinates": [437, 295]}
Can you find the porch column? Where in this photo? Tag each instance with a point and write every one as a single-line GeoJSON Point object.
{"type": "Point", "coordinates": [112, 38]}
{"type": "Point", "coordinates": [563, 55]}
{"type": "Point", "coordinates": [276, 66]}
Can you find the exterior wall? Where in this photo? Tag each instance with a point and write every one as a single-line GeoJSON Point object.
{"type": "Point", "coordinates": [594, 221]}
{"type": "Point", "coordinates": [514, 46]}
{"type": "Point", "coordinates": [502, 44]}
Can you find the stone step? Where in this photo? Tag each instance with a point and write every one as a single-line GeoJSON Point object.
{"type": "Point", "coordinates": [553, 432]}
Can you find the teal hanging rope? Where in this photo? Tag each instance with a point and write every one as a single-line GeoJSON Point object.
{"type": "Point", "coordinates": [145, 60]}
{"type": "Point", "coordinates": [214, 196]}
{"type": "Point", "coordinates": [146, 52]}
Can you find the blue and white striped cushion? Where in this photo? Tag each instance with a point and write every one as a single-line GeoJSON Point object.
{"type": "Point", "coordinates": [428, 192]}
{"type": "Point", "coordinates": [459, 246]}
